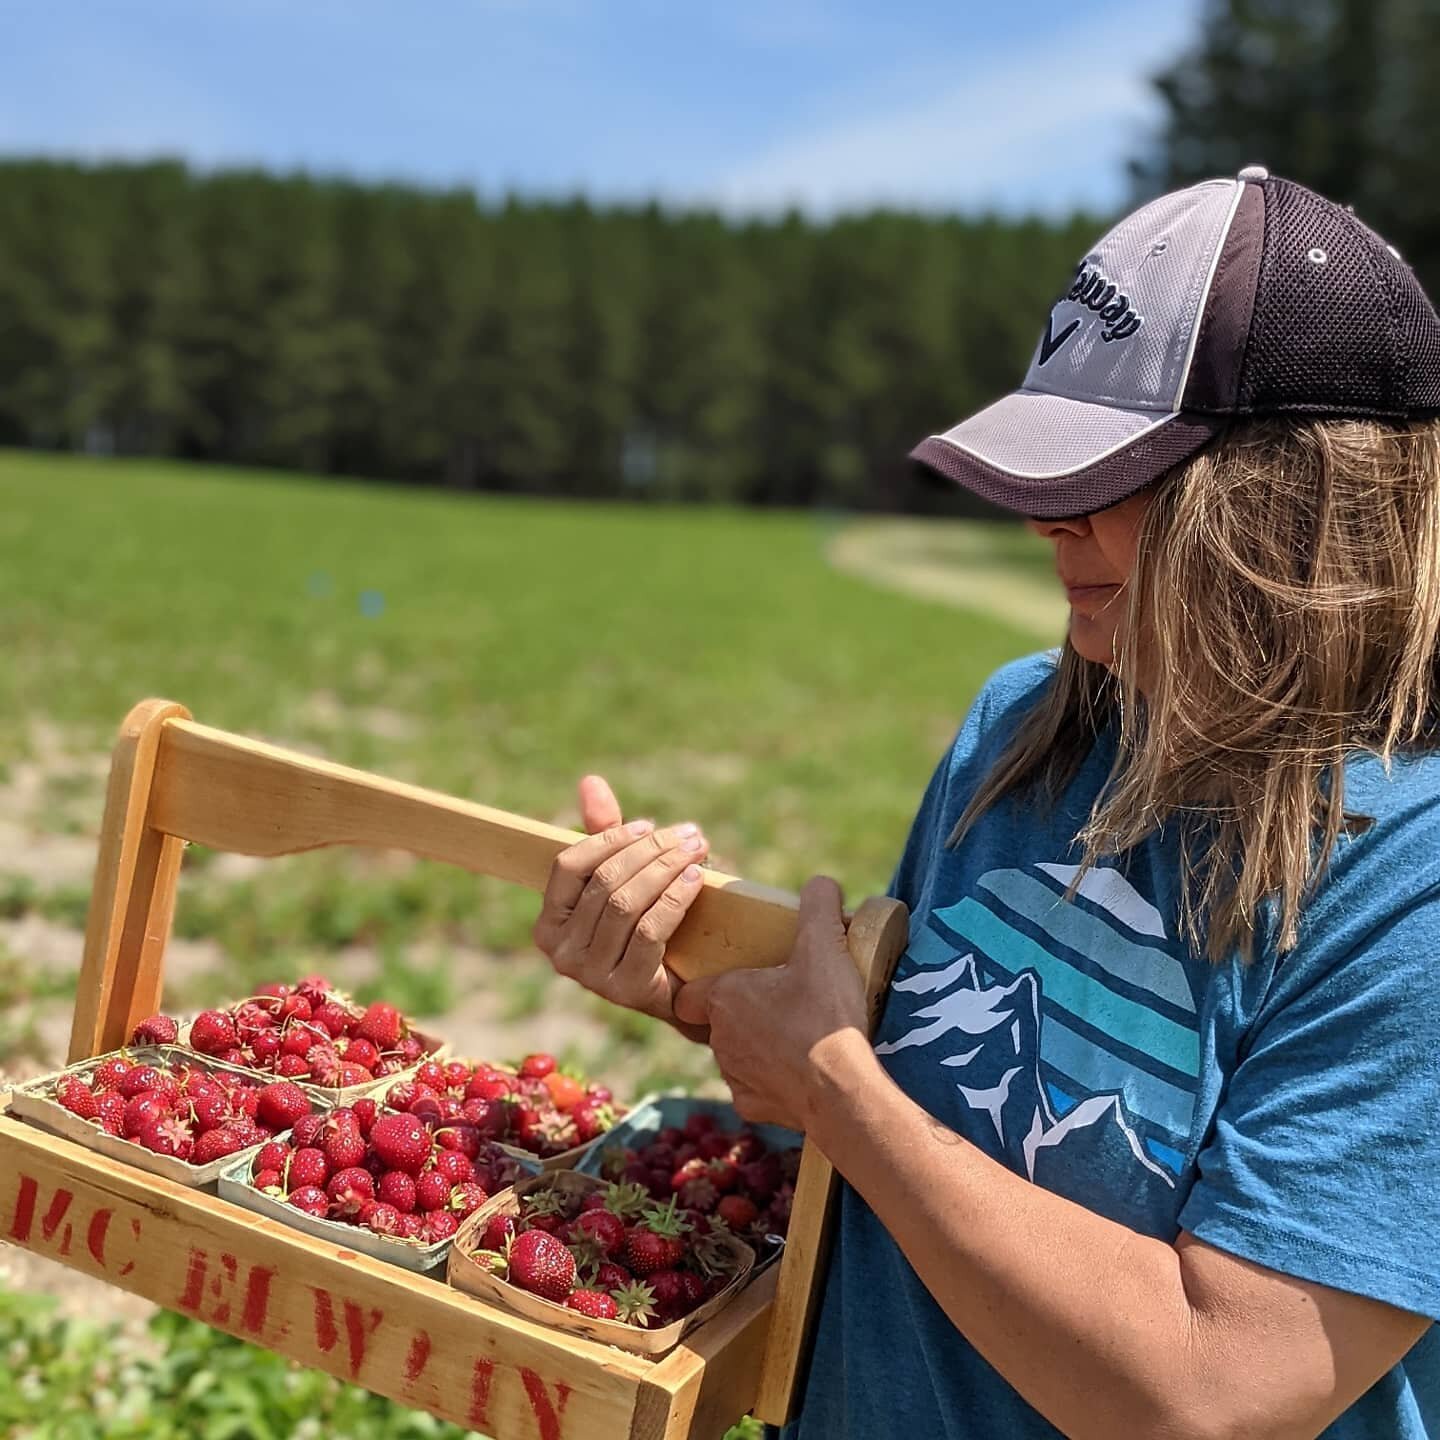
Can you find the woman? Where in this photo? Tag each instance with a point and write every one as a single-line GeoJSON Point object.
{"type": "Point", "coordinates": [1146, 1144]}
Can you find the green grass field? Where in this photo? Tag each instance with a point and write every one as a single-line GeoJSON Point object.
{"type": "Point", "coordinates": [711, 663]}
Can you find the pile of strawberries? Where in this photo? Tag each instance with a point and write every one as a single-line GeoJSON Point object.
{"type": "Point", "coordinates": [180, 1110]}
{"type": "Point", "coordinates": [306, 1031]}
{"type": "Point", "coordinates": [536, 1108]}
{"type": "Point", "coordinates": [387, 1172]}
{"type": "Point", "coordinates": [730, 1174]}
{"type": "Point", "coordinates": [610, 1253]}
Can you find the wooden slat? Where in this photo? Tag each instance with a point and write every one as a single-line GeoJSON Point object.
{"type": "Point", "coordinates": [876, 938]}
{"type": "Point", "coordinates": [230, 793]}
{"type": "Point", "coordinates": [412, 1339]}
{"type": "Point", "coordinates": [133, 899]}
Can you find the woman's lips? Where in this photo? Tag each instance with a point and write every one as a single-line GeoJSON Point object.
{"type": "Point", "coordinates": [1075, 593]}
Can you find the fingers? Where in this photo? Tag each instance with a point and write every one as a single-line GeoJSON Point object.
{"type": "Point", "coordinates": [645, 954]}
{"type": "Point", "coordinates": [599, 809]}
{"type": "Point", "coordinates": [572, 868]}
{"type": "Point", "coordinates": [629, 884]}
{"type": "Point", "coordinates": [692, 1001]}
{"type": "Point", "coordinates": [822, 914]}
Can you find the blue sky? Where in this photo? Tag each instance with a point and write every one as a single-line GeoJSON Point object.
{"type": "Point", "coordinates": [744, 104]}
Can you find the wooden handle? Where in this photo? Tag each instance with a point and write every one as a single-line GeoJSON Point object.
{"type": "Point", "coordinates": [876, 938]}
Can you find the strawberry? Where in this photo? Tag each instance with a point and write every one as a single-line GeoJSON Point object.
{"type": "Point", "coordinates": [234, 1056]}
{"type": "Point", "coordinates": [499, 1231]}
{"type": "Point", "coordinates": [307, 1169]}
{"type": "Point", "coordinates": [384, 1220]}
{"type": "Point", "coordinates": [360, 1051]}
{"type": "Point", "coordinates": [696, 1291]}
{"type": "Point", "coordinates": [398, 1189]}
{"type": "Point", "coordinates": [594, 1303]}
{"type": "Point", "coordinates": [739, 1212]}
{"type": "Point", "coordinates": [157, 1030]}
{"type": "Point", "coordinates": [272, 1156]}
{"type": "Point", "coordinates": [265, 1047]}
{"type": "Point", "coordinates": [307, 1129]}
{"type": "Point", "coordinates": [542, 1265]}
{"type": "Point", "coordinates": [215, 1144]}
{"type": "Point", "coordinates": [466, 1198]}
{"type": "Point", "coordinates": [348, 1190]}
{"type": "Point", "coordinates": [312, 1200]}
{"type": "Point", "coordinates": [432, 1190]}
{"type": "Point", "coordinates": [431, 1075]}
{"type": "Point", "coordinates": [365, 1113]}
{"type": "Point", "coordinates": [213, 1033]}
{"type": "Point", "coordinates": [669, 1289]}
{"type": "Point", "coordinates": [167, 1135]}
{"type": "Point", "coordinates": [387, 1065]}
{"type": "Point", "coordinates": [142, 1077]}
{"type": "Point", "coordinates": [109, 1073]}
{"type": "Point", "coordinates": [111, 1109]}
{"type": "Point", "coordinates": [723, 1175]}
{"type": "Point", "coordinates": [332, 1018]}
{"type": "Point", "coordinates": [591, 1120]}
{"type": "Point", "coordinates": [428, 1107]}
{"type": "Point", "coordinates": [315, 988]}
{"type": "Point", "coordinates": [143, 1110]}
{"type": "Point", "coordinates": [610, 1276]}
{"type": "Point", "coordinates": [455, 1166]}
{"type": "Point", "coordinates": [457, 1072]}
{"type": "Point", "coordinates": [440, 1225]}
{"type": "Point", "coordinates": [412, 1227]}
{"type": "Point", "coordinates": [292, 1067]}
{"type": "Point", "coordinates": [607, 1228]}
{"type": "Point", "coordinates": [298, 1039]}
{"type": "Point", "coordinates": [657, 1241]}
{"type": "Point", "coordinates": [207, 1108]}
{"type": "Point", "coordinates": [280, 1105]}
{"type": "Point", "coordinates": [402, 1142]}
{"type": "Point", "coordinates": [78, 1098]}
{"type": "Point", "coordinates": [342, 1144]}
{"type": "Point", "coordinates": [324, 1062]}
{"type": "Point", "coordinates": [411, 1049]}
{"type": "Point", "coordinates": [405, 1094]}
{"type": "Point", "coordinates": [565, 1092]}
{"type": "Point", "coordinates": [714, 1145]}
{"type": "Point", "coordinates": [295, 1007]}
{"type": "Point", "coordinates": [351, 1075]}
{"type": "Point", "coordinates": [382, 1025]}
{"type": "Point", "coordinates": [464, 1138]}
{"type": "Point", "coordinates": [634, 1303]}
{"type": "Point", "coordinates": [488, 1087]}
{"type": "Point", "coordinates": [273, 988]}
{"type": "Point", "coordinates": [267, 1180]}
{"type": "Point", "coordinates": [537, 1066]}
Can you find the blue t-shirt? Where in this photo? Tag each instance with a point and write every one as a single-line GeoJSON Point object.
{"type": "Point", "coordinates": [1288, 1113]}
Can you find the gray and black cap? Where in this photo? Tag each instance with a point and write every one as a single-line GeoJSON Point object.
{"type": "Point", "coordinates": [1232, 298]}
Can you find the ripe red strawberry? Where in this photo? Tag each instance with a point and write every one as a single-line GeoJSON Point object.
{"type": "Point", "coordinates": [542, 1265]}
{"type": "Point", "coordinates": [365, 1113]}
{"type": "Point", "coordinates": [207, 1109]}
{"type": "Point", "coordinates": [607, 1228]}
{"type": "Point", "coordinates": [723, 1175]}
{"type": "Point", "coordinates": [432, 1190]}
{"type": "Point", "coordinates": [157, 1030]}
{"type": "Point", "coordinates": [332, 1018]}
{"type": "Point", "coordinates": [382, 1025]}
{"type": "Point", "coordinates": [307, 1129]}
{"type": "Point", "coordinates": [428, 1108]}
{"type": "Point", "coordinates": [111, 1108]}
{"type": "Point", "coordinates": [384, 1219]}
{"type": "Point", "coordinates": [351, 1075]}
{"type": "Point", "coordinates": [78, 1098]}
{"type": "Point", "coordinates": [312, 1200]}
{"type": "Point", "coordinates": [324, 1062]}
{"type": "Point", "coordinates": [109, 1073]}
{"type": "Point", "coordinates": [343, 1144]}
{"type": "Point", "coordinates": [695, 1289]}
{"type": "Point", "coordinates": [292, 1067]}
{"type": "Point", "coordinates": [167, 1135]}
{"type": "Point", "coordinates": [403, 1095]}
{"type": "Point", "coordinates": [143, 1110]}
{"type": "Point", "coordinates": [294, 1007]}
{"type": "Point", "coordinates": [467, 1198]}
{"type": "Point", "coordinates": [215, 1144]}
{"type": "Point", "coordinates": [457, 1072]}
{"type": "Point", "coordinates": [280, 1105]}
{"type": "Point", "coordinates": [537, 1066]}
{"type": "Point", "coordinates": [590, 1120]}
{"type": "Point", "coordinates": [464, 1138]}
{"type": "Point", "coordinates": [411, 1049]}
{"type": "Point", "coordinates": [594, 1303]}
{"type": "Point", "coordinates": [760, 1178]}
{"type": "Point", "coordinates": [234, 1056]}
{"type": "Point", "coordinates": [272, 1156]}
{"type": "Point", "coordinates": [141, 1078]}
{"type": "Point", "coordinates": [499, 1231]}
{"type": "Point", "coordinates": [488, 1087]}
{"type": "Point", "coordinates": [402, 1142]}
{"type": "Point", "coordinates": [348, 1190]}
{"type": "Point", "coordinates": [245, 1100]}
{"type": "Point", "coordinates": [360, 1051]}
{"type": "Point", "coordinates": [298, 1039]}
{"type": "Point", "coordinates": [315, 988]}
{"type": "Point", "coordinates": [440, 1225]}
{"type": "Point", "coordinates": [398, 1189]}
{"type": "Point", "coordinates": [267, 1180]}
{"type": "Point", "coordinates": [739, 1212]}
{"type": "Point", "coordinates": [455, 1166]}
{"type": "Point", "coordinates": [610, 1276]}
{"type": "Point", "coordinates": [657, 1241]}
{"type": "Point", "coordinates": [669, 1290]}
{"type": "Point", "coordinates": [412, 1227]}
{"type": "Point", "coordinates": [565, 1091]}
{"type": "Point", "coordinates": [265, 1047]}
{"type": "Point", "coordinates": [307, 1168]}
{"type": "Point", "coordinates": [213, 1033]}
{"type": "Point", "coordinates": [249, 1132]}
{"type": "Point", "coordinates": [273, 988]}
{"type": "Point", "coordinates": [432, 1075]}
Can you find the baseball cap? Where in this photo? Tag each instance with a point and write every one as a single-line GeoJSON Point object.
{"type": "Point", "coordinates": [1230, 298]}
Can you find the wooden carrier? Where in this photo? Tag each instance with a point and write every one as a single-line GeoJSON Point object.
{"type": "Point", "coordinates": [414, 1339]}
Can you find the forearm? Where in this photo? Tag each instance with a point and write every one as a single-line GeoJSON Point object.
{"type": "Point", "coordinates": [1088, 1320]}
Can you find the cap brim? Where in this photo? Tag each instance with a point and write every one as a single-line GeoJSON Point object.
{"type": "Point", "coordinates": [1053, 458]}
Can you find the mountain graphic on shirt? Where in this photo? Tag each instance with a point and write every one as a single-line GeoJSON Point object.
{"type": "Point", "coordinates": [1062, 1023]}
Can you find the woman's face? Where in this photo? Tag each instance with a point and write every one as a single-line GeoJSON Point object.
{"type": "Point", "coordinates": [1095, 558]}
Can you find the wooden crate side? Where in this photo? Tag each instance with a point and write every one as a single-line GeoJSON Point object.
{"type": "Point", "coordinates": [133, 898]}
{"type": "Point", "coordinates": [231, 793]}
{"type": "Point", "coordinates": [876, 938]}
{"type": "Point", "coordinates": [412, 1339]}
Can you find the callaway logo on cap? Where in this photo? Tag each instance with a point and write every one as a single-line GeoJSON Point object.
{"type": "Point", "coordinates": [1243, 297]}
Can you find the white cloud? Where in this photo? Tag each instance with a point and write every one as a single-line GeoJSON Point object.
{"type": "Point", "coordinates": [1046, 126]}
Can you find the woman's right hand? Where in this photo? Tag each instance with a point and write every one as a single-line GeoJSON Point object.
{"type": "Point", "coordinates": [614, 899]}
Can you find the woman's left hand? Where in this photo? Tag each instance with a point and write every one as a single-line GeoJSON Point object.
{"type": "Point", "coordinates": [772, 1030]}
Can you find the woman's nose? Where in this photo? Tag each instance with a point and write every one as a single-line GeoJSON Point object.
{"type": "Point", "coordinates": [1049, 529]}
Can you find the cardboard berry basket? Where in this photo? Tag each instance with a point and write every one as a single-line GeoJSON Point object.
{"type": "Point", "coordinates": [236, 1186]}
{"type": "Point", "coordinates": [324, 1303]}
{"type": "Point", "coordinates": [471, 1275]}
{"type": "Point", "coordinates": [33, 1102]}
{"type": "Point", "coordinates": [331, 1094]}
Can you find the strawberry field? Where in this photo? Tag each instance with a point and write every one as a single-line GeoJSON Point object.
{"type": "Point", "coordinates": [713, 664]}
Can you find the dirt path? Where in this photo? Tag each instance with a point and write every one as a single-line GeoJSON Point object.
{"type": "Point", "coordinates": [952, 562]}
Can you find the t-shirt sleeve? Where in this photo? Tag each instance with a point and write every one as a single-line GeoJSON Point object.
{"type": "Point", "coordinates": [1325, 1156]}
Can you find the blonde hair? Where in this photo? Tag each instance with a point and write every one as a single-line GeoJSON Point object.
{"type": "Point", "coordinates": [1284, 612]}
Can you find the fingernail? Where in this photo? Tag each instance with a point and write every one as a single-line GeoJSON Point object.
{"type": "Point", "coordinates": [640, 827]}
{"type": "Point", "coordinates": [686, 829]}
{"type": "Point", "coordinates": [693, 844]}
{"type": "Point", "coordinates": [692, 873]}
